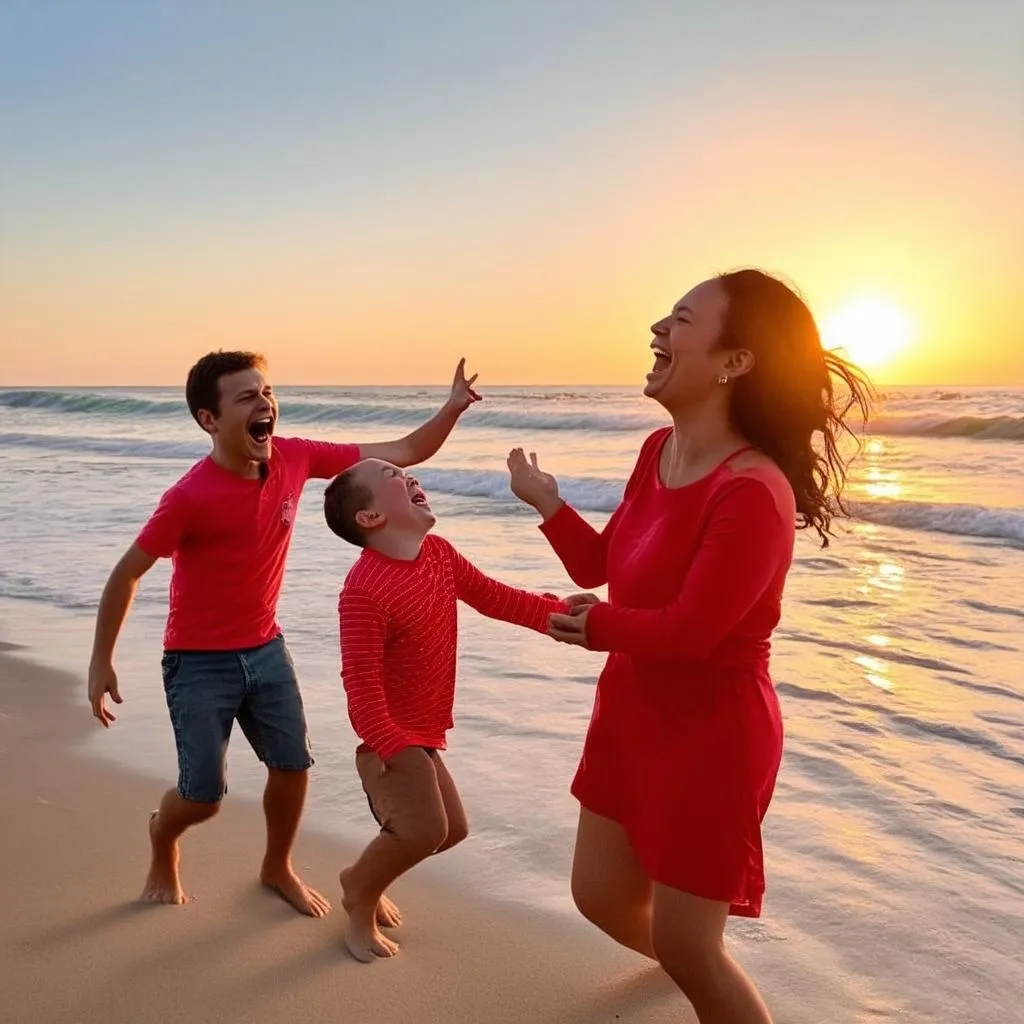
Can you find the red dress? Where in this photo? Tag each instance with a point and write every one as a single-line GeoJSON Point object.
{"type": "Point", "coordinates": [685, 739]}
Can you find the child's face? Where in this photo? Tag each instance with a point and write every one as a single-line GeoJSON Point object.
{"type": "Point", "coordinates": [397, 500]}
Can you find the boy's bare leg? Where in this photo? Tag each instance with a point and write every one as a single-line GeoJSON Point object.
{"type": "Point", "coordinates": [417, 827]}
{"type": "Point", "coordinates": [283, 800]}
{"type": "Point", "coordinates": [166, 826]}
{"type": "Point", "coordinates": [363, 885]}
{"type": "Point", "coordinates": [388, 914]}
{"type": "Point", "coordinates": [458, 824]}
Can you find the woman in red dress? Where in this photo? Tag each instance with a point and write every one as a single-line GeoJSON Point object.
{"type": "Point", "coordinates": [685, 739]}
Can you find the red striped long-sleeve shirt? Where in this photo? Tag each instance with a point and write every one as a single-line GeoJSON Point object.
{"type": "Point", "coordinates": [398, 622]}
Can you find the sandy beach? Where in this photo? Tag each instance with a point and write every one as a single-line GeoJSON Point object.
{"type": "Point", "coordinates": [77, 947]}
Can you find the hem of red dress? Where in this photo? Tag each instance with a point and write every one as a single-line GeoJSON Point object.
{"type": "Point", "coordinates": [745, 909]}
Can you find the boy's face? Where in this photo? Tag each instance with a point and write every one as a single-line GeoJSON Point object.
{"type": "Point", "coordinates": [397, 500]}
{"type": "Point", "coordinates": [248, 415]}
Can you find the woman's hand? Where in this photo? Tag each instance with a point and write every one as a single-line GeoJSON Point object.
{"type": "Point", "coordinates": [579, 603]}
{"type": "Point", "coordinates": [572, 628]}
{"type": "Point", "coordinates": [531, 484]}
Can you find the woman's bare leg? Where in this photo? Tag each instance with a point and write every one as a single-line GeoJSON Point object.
{"type": "Point", "coordinates": [689, 941]}
{"type": "Point", "coordinates": [609, 886]}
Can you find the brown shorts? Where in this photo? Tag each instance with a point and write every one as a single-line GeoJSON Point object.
{"type": "Point", "coordinates": [420, 805]}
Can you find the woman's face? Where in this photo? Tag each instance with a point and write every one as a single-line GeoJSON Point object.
{"type": "Point", "coordinates": [687, 364]}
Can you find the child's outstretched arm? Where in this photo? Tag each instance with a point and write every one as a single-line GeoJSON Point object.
{"type": "Point", "coordinates": [499, 600]}
{"type": "Point", "coordinates": [363, 629]}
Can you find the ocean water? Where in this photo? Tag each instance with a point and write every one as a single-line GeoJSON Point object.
{"type": "Point", "coordinates": [894, 845]}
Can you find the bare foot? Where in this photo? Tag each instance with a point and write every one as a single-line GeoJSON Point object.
{"type": "Point", "coordinates": [163, 884]}
{"type": "Point", "coordinates": [293, 890]}
{"type": "Point", "coordinates": [388, 914]}
{"type": "Point", "coordinates": [364, 939]}
{"type": "Point", "coordinates": [362, 936]}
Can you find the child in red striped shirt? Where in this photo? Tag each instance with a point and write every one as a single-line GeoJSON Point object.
{"type": "Point", "coordinates": [398, 620]}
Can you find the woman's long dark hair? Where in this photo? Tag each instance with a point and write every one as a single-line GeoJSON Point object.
{"type": "Point", "coordinates": [796, 389]}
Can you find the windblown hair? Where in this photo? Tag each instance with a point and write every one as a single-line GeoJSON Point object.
{"type": "Point", "coordinates": [202, 388]}
{"type": "Point", "coordinates": [795, 390]}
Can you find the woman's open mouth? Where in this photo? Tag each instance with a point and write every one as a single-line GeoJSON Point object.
{"type": "Point", "coordinates": [662, 360]}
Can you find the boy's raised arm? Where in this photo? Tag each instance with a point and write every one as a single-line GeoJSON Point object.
{"type": "Point", "coordinates": [425, 440]}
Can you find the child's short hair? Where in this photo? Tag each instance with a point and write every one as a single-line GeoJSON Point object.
{"type": "Point", "coordinates": [343, 499]}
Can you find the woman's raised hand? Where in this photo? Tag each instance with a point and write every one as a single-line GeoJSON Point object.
{"type": "Point", "coordinates": [531, 484]}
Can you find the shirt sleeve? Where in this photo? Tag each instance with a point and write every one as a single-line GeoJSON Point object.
{"type": "Point", "coordinates": [746, 543]}
{"type": "Point", "coordinates": [325, 459]}
{"type": "Point", "coordinates": [498, 600]}
{"type": "Point", "coordinates": [167, 526]}
{"type": "Point", "coordinates": [581, 549]}
{"type": "Point", "coordinates": [363, 625]}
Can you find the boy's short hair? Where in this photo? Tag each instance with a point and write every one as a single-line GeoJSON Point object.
{"type": "Point", "coordinates": [344, 497]}
{"type": "Point", "coordinates": [202, 388]}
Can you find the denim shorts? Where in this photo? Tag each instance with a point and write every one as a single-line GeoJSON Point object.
{"type": "Point", "coordinates": [207, 690]}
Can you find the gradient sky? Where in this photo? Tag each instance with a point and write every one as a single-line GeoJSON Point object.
{"type": "Point", "coordinates": [367, 191]}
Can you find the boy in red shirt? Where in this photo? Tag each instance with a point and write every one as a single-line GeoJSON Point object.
{"type": "Point", "coordinates": [398, 612]}
{"type": "Point", "coordinates": [227, 525]}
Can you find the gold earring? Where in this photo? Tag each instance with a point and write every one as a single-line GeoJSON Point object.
{"type": "Point", "coordinates": [723, 379]}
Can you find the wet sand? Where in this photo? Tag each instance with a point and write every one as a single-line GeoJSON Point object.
{"type": "Point", "coordinates": [78, 946]}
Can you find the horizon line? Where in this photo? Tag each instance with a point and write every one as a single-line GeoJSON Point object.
{"type": "Point", "coordinates": [381, 386]}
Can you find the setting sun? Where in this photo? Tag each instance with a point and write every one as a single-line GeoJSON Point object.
{"type": "Point", "coordinates": [870, 331]}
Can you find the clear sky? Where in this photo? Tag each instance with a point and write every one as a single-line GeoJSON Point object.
{"type": "Point", "coordinates": [366, 191]}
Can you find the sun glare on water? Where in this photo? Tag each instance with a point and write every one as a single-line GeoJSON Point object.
{"type": "Point", "coordinates": [869, 331]}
